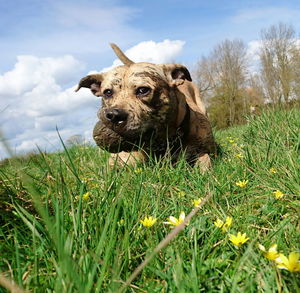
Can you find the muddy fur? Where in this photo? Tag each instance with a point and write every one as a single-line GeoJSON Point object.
{"type": "Point", "coordinates": [152, 108]}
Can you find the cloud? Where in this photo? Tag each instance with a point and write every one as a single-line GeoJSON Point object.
{"type": "Point", "coordinates": [38, 95]}
{"type": "Point", "coordinates": [253, 50]}
{"type": "Point", "coordinates": [35, 98]}
{"type": "Point", "coordinates": [153, 52]}
{"type": "Point", "coordinates": [67, 27]}
{"type": "Point", "coordinates": [31, 71]}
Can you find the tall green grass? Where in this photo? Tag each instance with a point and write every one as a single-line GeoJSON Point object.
{"type": "Point", "coordinates": [54, 239]}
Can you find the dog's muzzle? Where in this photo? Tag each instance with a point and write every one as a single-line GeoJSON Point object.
{"type": "Point", "coordinates": [116, 116]}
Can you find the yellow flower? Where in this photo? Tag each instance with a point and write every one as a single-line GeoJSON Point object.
{"type": "Point", "coordinates": [242, 183]}
{"type": "Point", "coordinates": [174, 221]}
{"type": "Point", "coordinates": [291, 264]}
{"type": "Point", "coordinates": [239, 156]}
{"type": "Point", "coordinates": [271, 253]}
{"type": "Point", "coordinates": [219, 223]}
{"type": "Point", "coordinates": [86, 196]}
{"type": "Point", "coordinates": [121, 222]}
{"type": "Point", "coordinates": [224, 226]}
{"type": "Point", "coordinates": [227, 224]}
{"type": "Point", "coordinates": [148, 221]}
{"type": "Point", "coordinates": [238, 239]}
{"type": "Point", "coordinates": [196, 202]}
{"type": "Point", "coordinates": [231, 140]}
{"type": "Point", "coordinates": [273, 170]}
{"type": "Point", "coordinates": [278, 194]}
{"type": "Point", "coordinates": [85, 180]}
{"type": "Point", "coordinates": [138, 171]}
{"type": "Point", "coordinates": [181, 194]}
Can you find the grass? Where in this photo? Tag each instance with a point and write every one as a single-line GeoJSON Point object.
{"type": "Point", "coordinates": [54, 239]}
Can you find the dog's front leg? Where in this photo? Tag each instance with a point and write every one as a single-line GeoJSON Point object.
{"type": "Point", "coordinates": [203, 163]}
{"type": "Point", "coordinates": [126, 159]}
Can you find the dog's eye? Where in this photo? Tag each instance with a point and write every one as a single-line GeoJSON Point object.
{"type": "Point", "coordinates": [107, 93]}
{"type": "Point", "coordinates": [142, 91]}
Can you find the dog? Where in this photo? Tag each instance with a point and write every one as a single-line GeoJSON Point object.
{"type": "Point", "coordinates": [150, 109]}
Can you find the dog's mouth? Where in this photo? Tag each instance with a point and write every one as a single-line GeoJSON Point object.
{"type": "Point", "coordinates": [127, 128]}
{"type": "Point", "coordinates": [110, 140]}
{"type": "Point", "coordinates": [134, 135]}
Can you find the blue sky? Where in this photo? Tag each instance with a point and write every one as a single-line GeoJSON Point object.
{"type": "Point", "coordinates": [52, 28]}
{"type": "Point", "coordinates": [47, 45]}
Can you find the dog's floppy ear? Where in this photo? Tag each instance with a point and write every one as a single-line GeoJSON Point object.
{"type": "Point", "coordinates": [176, 73]}
{"type": "Point", "coordinates": [93, 82]}
{"type": "Point", "coordinates": [179, 76]}
{"type": "Point", "coordinates": [192, 96]}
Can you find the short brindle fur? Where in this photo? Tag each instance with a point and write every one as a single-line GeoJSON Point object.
{"type": "Point", "coordinates": [149, 108]}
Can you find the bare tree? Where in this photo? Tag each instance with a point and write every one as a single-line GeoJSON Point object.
{"type": "Point", "coordinates": [222, 79]}
{"type": "Point", "coordinates": [204, 72]}
{"type": "Point", "coordinates": [296, 70]}
{"type": "Point", "coordinates": [74, 140]}
{"type": "Point", "coordinates": [277, 61]}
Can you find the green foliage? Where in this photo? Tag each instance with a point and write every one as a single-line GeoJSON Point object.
{"type": "Point", "coordinates": [52, 239]}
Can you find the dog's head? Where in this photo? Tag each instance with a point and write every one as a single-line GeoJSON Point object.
{"type": "Point", "coordinates": [139, 98]}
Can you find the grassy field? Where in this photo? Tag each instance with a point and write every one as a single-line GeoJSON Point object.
{"type": "Point", "coordinates": [69, 224]}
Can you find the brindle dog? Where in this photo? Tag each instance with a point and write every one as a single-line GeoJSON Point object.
{"type": "Point", "coordinates": [150, 109]}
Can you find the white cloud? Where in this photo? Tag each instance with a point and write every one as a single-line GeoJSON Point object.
{"type": "Point", "coordinates": [253, 56]}
{"type": "Point", "coordinates": [38, 95]}
{"type": "Point", "coordinates": [153, 52]}
{"type": "Point", "coordinates": [77, 28]}
{"type": "Point", "coordinates": [31, 71]}
{"type": "Point", "coordinates": [33, 101]}
{"type": "Point", "coordinates": [253, 49]}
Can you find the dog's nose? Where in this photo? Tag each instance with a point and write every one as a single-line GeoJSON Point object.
{"type": "Point", "coordinates": [116, 115]}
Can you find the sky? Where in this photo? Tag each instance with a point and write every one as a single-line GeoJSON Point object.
{"type": "Point", "coordinates": [48, 45]}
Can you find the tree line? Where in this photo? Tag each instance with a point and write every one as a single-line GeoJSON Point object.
{"type": "Point", "coordinates": [233, 86]}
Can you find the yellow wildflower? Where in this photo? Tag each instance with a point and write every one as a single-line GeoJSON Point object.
{"type": "Point", "coordinates": [271, 253]}
{"type": "Point", "coordinates": [227, 224]}
{"type": "Point", "coordinates": [239, 156]}
{"type": "Point", "coordinates": [196, 202]}
{"type": "Point", "coordinates": [231, 140]}
{"type": "Point", "coordinates": [278, 194]}
{"type": "Point", "coordinates": [86, 195]}
{"type": "Point", "coordinates": [174, 221]}
{"type": "Point", "coordinates": [292, 263]}
{"type": "Point", "coordinates": [181, 194]}
{"type": "Point", "coordinates": [238, 239]}
{"type": "Point", "coordinates": [148, 221]}
{"type": "Point", "coordinates": [85, 180]}
{"type": "Point", "coordinates": [121, 222]}
{"type": "Point", "coordinates": [242, 183]}
{"type": "Point", "coordinates": [273, 170]}
{"type": "Point", "coordinates": [219, 223]}
{"type": "Point", "coordinates": [224, 226]}
{"type": "Point", "coordinates": [138, 171]}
